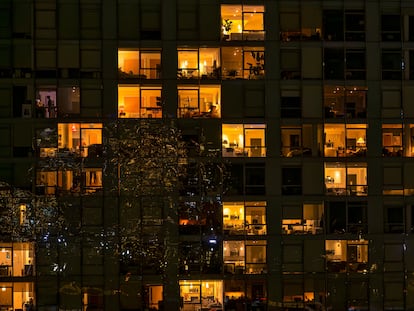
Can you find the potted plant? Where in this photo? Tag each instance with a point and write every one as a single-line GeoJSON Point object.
{"type": "Point", "coordinates": [226, 26]}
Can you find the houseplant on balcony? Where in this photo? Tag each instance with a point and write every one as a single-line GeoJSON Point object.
{"type": "Point", "coordinates": [226, 26]}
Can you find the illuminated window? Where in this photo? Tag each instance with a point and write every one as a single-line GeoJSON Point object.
{"type": "Point", "coordinates": [296, 140]}
{"type": "Point", "coordinates": [143, 64]}
{"type": "Point", "coordinates": [243, 62]}
{"type": "Point", "coordinates": [306, 219]}
{"type": "Point", "coordinates": [244, 257]}
{"type": "Point", "coordinates": [81, 139]}
{"type": "Point", "coordinates": [87, 181]}
{"type": "Point", "coordinates": [17, 259]}
{"type": "Point", "coordinates": [52, 102]}
{"type": "Point", "coordinates": [203, 295]}
{"type": "Point", "coordinates": [345, 140]}
{"type": "Point", "coordinates": [347, 255]}
{"type": "Point", "coordinates": [136, 101]}
{"type": "Point", "coordinates": [341, 102]}
{"type": "Point", "coordinates": [346, 178]}
{"type": "Point", "coordinates": [242, 22]}
{"type": "Point", "coordinates": [246, 140]}
{"type": "Point", "coordinates": [392, 140]}
{"type": "Point", "coordinates": [201, 63]}
{"type": "Point", "coordinates": [199, 101]}
{"type": "Point", "coordinates": [241, 218]}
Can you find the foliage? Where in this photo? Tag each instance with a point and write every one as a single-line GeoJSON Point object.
{"type": "Point", "coordinates": [26, 216]}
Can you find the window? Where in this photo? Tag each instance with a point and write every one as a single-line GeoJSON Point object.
{"type": "Point", "coordinates": [199, 101]}
{"type": "Point", "coordinates": [79, 139]}
{"type": "Point", "coordinates": [290, 104]}
{"type": "Point", "coordinates": [339, 25]}
{"type": "Point", "coordinates": [142, 64]}
{"type": "Point", "coordinates": [243, 62]}
{"type": "Point", "coordinates": [135, 101]}
{"type": "Point", "coordinates": [196, 217]}
{"type": "Point", "coordinates": [303, 219]}
{"type": "Point", "coordinates": [17, 261]}
{"type": "Point", "coordinates": [291, 180]}
{"type": "Point", "coordinates": [345, 140]}
{"type": "Point", "coordinates": [201, 294]}
{"type": "Point", "coordinates": [393, 180]}
{"type": "Point", "coordinates": [346, 256]}
{"type": "Point", "coordinates": [345, 102]}
{"type": "Point", "coordinates": [196, 257]}
{"type": "Point", "coordinates": [244, 257]}
{"type": "Point", "coordinates": [346, 178]}
{"type": "Point", "coordinates": [246, 179]}
{"type": "Point", "coordinates": [394, 218]}
{"type": "Point", "coordinates": [392, 64]}
{"type": "Point", "coordinates": [82, 139]}
{"type": "Point", "coordinates": [411, 28]}
{"type": "Point", "coordinates": [201, 63]}
{"type": "Point", "coordinates": [295, 26]}
{"type": "Point", "coordinates": [333, 25]}
{"type": "Point", "coordinates": [244, 291]}
{"type": "Point", "coordinates": [334, 64]}
{"type": "Point", "coordinates": [290, 62]}
{"type": "Point", "coordinates": [354, 25]}
{"type": "Point", "coordinates": [346, 64]}
{"type": "Point", "coordinates": [391, 27]}
{"type": "Point", "coordinates": [85, 181]}
{"type": "Point", "coordinates": [243, 140]}
{"type": "Point", "coordinates": [51, 103]}
{"type": "Point", "coordinates": [411, 65]}
{"type": "Point", "coordinates": [240, 218]}
{"type": "Point", "coordinates": [355, 64]}
{"type": "Point", "coordinates": [296, 140]}
{"type": "Point", "coordinates": [392, 140]}
{"type": "Point", "coordinates": [242, 22]}
{"type": "Point", "coordinates": [90, 20]}
{"type": "Point", "coordinates": [346, 217]}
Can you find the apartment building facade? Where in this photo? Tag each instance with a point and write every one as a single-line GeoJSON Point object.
{"type": "Point", "coordinates": [297, 122]}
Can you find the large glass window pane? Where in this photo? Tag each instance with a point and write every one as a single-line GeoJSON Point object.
{"type": "Point", "coordinates": [243, 140]}
{"type": "Point", "coordinates": [333, 25]}
{"type": "Point", "coordinates": [391, 27]}
{"type": "Point", "coordinates": [242, 22]}
{"type": "Point", "coordinates": [392, 140]}
{"type": "Point", "coordinates": [232, 58]}
{"type": "Point", "coordinates": [199, 101]}
{"type": "Point", "coordinates": [392, 64]}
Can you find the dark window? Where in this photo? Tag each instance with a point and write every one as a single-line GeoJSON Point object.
{"type": "Point", "coordinates": [291, 181]}
{"type": "Point", "coordinates": [357, 217]}
{"type": "Point", "coordinates": [334, 64]}
{"type": "Point", "coordinates": [336, 217]}
{"type": "Point", "coordinates": [391, 64]}
{"type": "Point", "coordinates": [411, 65]}
{"type": "Point", "coordinates": [333, 25]}
{"type": "Point", "coordinates": [391, 27]}
{"type": "Point", "coordinates": [254, 179]}
{"type": "Point", "coordinates": [411, 28]}
{"type": "Point", "coordinates": [394, 219]}
{"type": "Point", "coordinates": [348, 217]}
{"type": "Point", "coordinates": [354, 26]}
{"type": "Point", "coordinates": [355, 64]}
{"type": "Point", "coordinates": [291, 107]}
